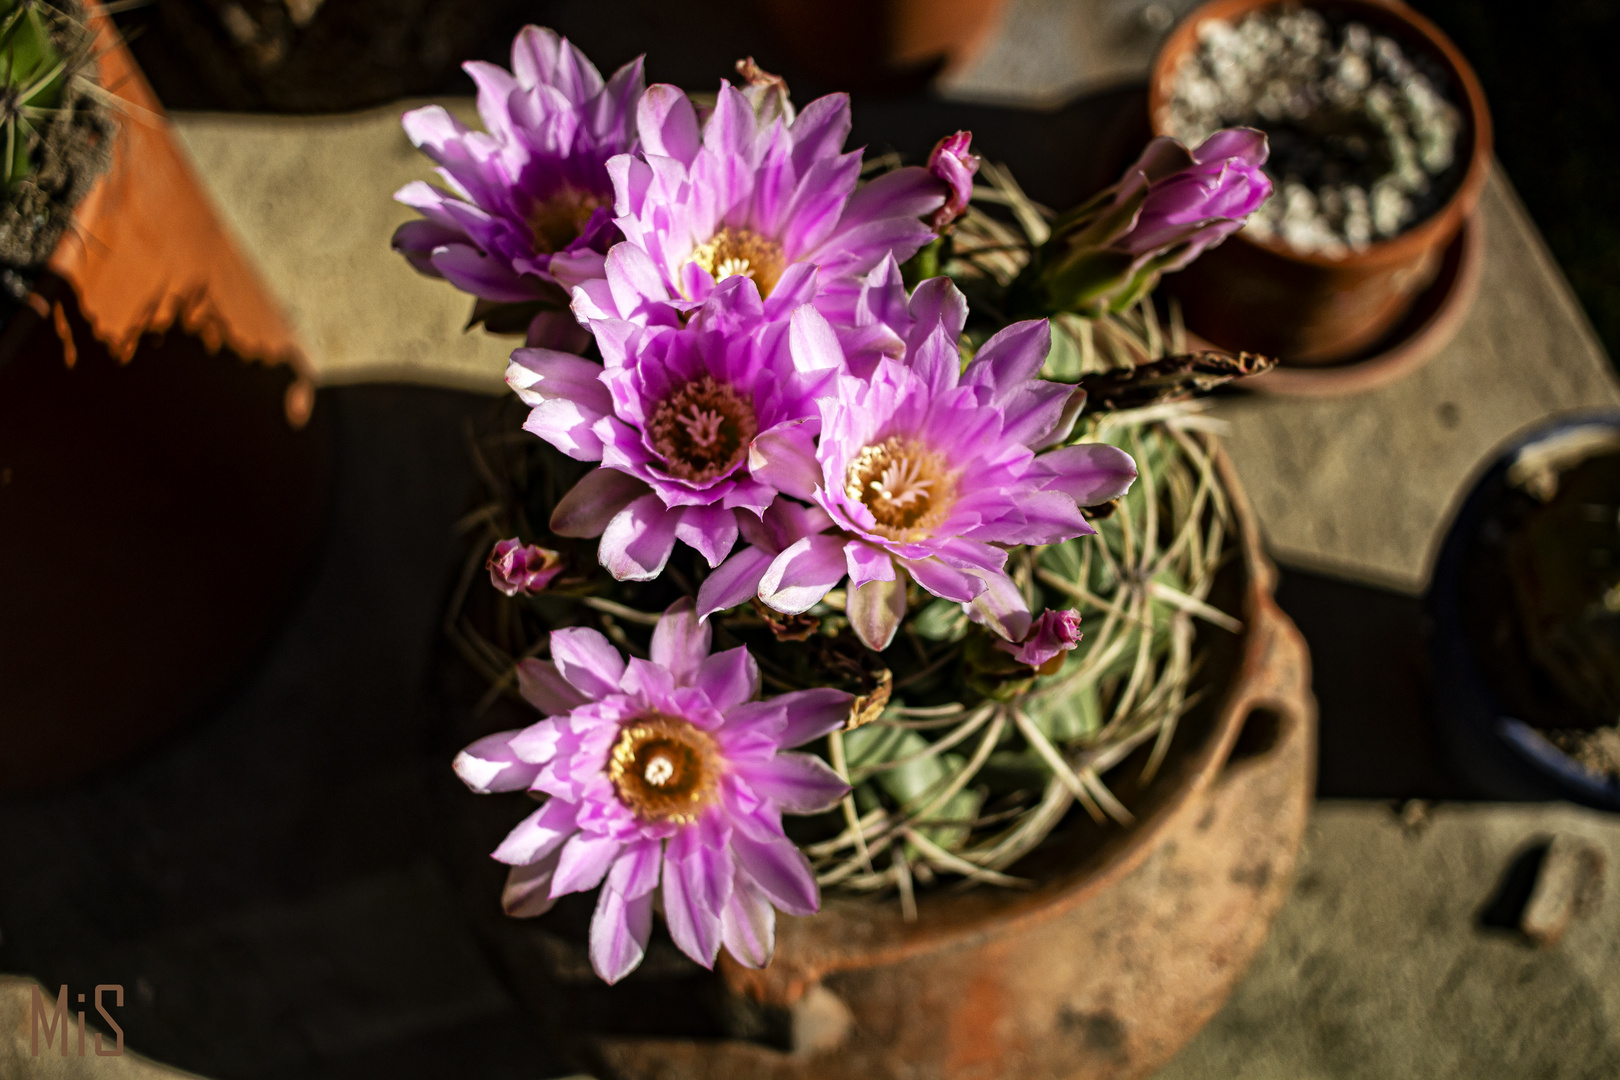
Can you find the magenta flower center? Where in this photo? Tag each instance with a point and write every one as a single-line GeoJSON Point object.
{"type": "Point", "coordinates": [703, 429]}
{"type": "Point", "coordinates": [663, 769]}
{"type": "Point", "coordinates": [907, 487]}
{"type": "Point", "coordinates": [730, 252]}
{"type": "Point", "coordinates": [557, 222]}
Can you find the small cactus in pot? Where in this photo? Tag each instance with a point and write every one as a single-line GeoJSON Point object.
{"type": "Point", "coordinates": [57, 136]}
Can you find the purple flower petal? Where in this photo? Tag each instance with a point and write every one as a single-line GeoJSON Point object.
{"type": "Point", "coordinates": [729, 678]}
{"type": "Point", "coordinates": [584, 863]}
{"type": "Point", "coordinates": [693, 916]}
{"type": "Point", "coordinates": [1001, 606]}
{"type": "Point", "coordinates": [619, 932]}
{"type": "Point", "coordinates": [680, 642]}
{"type": "Point", "coordinates": [537, 743]}
{"type": "Point", "coordinates": [875, 610]}
{"type": "Point", "coordinates": [635, 872]}
{"type": "Point", "coordinates": [1241, 144]}
{"type": "Point", "coordinates": [543, 686]}
{"type": "Point", "coordinates": [819, 130]}
{"type": "Point", "coordinates": [798, 783]}
{"type": "Point", "coordinates": [637, 542]}
{"type": "Point", "coordinates": [812, 343]}
{"type": "Point", "coordinates": [785, 458]}
{"type": "Point", "coordinates": [813, 713]}
{"type": "Point", "coordinates": [748, 924]}
{"type": "Point", "coordinates": [781, 871]}
{"type": "Point", "coordinates": [539, 834]}
{"type": "Point", "coordinates": [490, 765]}
{"type": "Point", "coordinates": [709, 530]}
{"type": "Point", "coordinates": [647, 683]}
{"type": "Point", "coordinates": [944, 581]}
{"type": "Point", "coordinates": [867, 563]}
{"type": "Point", "coordinates": [803, 574]}
{"type": "Point", "coordinates": [668, 124]}
{"type": "Point", "coordinates": [484, 276]}
{"type": "Point", "coordinates": [528, 888]}
{"type": "Point", "coordinates": [1012, 357]}
{"type": "Point", "coordinates": [1090, 473]}
{"type": "Point", "coordinates": [733, 582]}
{"type": "Point", "coordinates": [594, 502]}
{"type": "Point", "coordinates": [587, 660]}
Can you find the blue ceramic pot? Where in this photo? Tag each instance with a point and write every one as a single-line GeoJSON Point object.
{"type": "Point", "coordinates": [1498, 754]}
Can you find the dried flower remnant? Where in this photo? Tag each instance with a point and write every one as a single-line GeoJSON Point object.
{"type": "Point", "coordinates": [1364, 142]}
{"type": "Point", "coordinates": [668, 770]}
{"type": "Point", "coordinates": [515, 567]}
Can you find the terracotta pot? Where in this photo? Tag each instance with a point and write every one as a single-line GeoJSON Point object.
{"type": "Point", "coordinates": [1263, 296]}
{"type": "Point", "coordinates": [881, 44]}
{"type": "Point", "coordinates": [1129, 942]}
{"type": "Point", "coordinates": [156, 513]}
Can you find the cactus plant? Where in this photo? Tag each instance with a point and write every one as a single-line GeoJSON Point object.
{"type": "Point", "coordinates": [57, 134]}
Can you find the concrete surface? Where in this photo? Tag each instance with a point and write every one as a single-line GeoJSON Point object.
{"type": "Point", "coordinates": [1047, 52]}
{"type": "Point", "coordinates": [312, 202]}
{"type": "Point", "coordinates": [1363, 487]}
{"type": "Point", "coordinates": [1382, 966]}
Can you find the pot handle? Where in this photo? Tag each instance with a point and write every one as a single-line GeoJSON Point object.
{"type": "Point", "coordinates": [1276, 701]}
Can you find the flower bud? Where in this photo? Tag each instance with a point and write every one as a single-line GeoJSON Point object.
{"type": "Point", "coordinates": [1049, 638]}
{"type": "Point", "coordinates": [951, 162]}
{"type": "Point", "coordinates": [1168, 208]}
{"type": "Point", "coordinates": [515, 567]}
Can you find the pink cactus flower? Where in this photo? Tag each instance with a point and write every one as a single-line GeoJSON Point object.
{"type": "Point", "coordinates": [663, 773]}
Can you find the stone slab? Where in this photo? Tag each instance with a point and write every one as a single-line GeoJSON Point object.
{"type": "Point", "coordinates": [310, 199]}
{"type": "Point", "coordinates": [1383, 963]}
{"type": "Point", "coordinates": [1363, 487]}
{"type": "Point", "coordinates": [1045, 53]}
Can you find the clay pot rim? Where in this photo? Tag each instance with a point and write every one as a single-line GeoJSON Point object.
{"type": "Point", "coordinates": [985, 910]}
{"type": "Point", "coordinates": [1437, 228]}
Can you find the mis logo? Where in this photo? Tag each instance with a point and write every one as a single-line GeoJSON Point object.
{"type": "Point", "coordinates": [56, 1023]}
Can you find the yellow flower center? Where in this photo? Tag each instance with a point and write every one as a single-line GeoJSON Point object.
{"type": "Point", "coordinates": [907, 486]}
{"type": "Point", "coordinates": [664, 769]}
{"type": "Point", "coordinates": [558, 221]}
{"type": "Point", "coordinates": [702, 430]}
{"type": "Point", "coordinates": [741, 251]}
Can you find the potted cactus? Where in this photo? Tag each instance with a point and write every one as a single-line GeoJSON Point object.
{"type": "Point", "coordinates": [163, 472]}
{"type": "Point", "coordinates": [57, 134]}
{"type": "Point", "coordinates": [792, 559]}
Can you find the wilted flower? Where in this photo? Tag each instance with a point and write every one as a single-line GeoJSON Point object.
{"type": "Point", "coordinates": [772, 201]}
{"type": "Point", "coordinates": [675, 411]}
{"type": "Point", "coordinates": [1049, 638]}
{"type": "Point", "coordinates": [951, 162]}
{"type": "Point", "coordinates": [932, 469]}
{"type": "Point", "coordinates": [528, 210]}
{"type": "Point", "coordinates": [515, 567]}
{"type": "Point", "coordinates": [663, 768]}
{"type": "Point", "coordinates": [1170, 207]}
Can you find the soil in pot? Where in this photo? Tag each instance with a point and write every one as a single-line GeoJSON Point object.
{"type": "Point", "coordinates": [1541, 597]}
{"type": "Point", "coordinates": [1364, 140]}
{"type": "Point", "coordinates": [60, 133]}
{"type": "Point", "coordinates": [1381, 147]}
